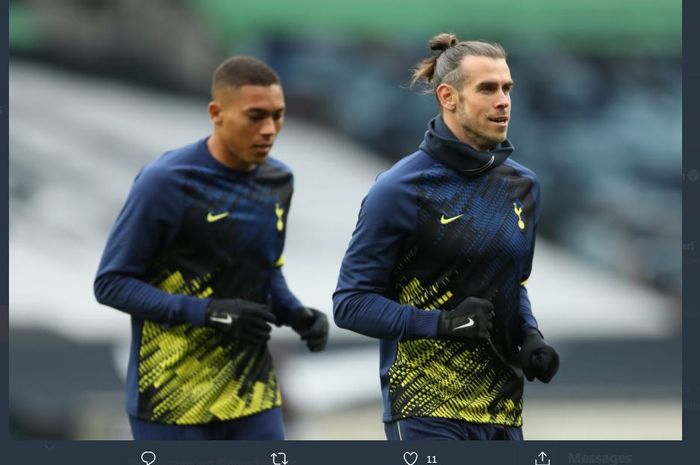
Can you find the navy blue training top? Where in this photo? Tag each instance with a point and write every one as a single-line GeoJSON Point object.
{"type": "Point", "coordinates": [193, 230]}
{"type": "Point", "coordinates": [445, 223]}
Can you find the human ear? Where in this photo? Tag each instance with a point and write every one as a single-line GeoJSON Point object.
{"type": "Point", "coordinates": [447, 96]}
{"type": "Point", "coordinates": [214, 112]}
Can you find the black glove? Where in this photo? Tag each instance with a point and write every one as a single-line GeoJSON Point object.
{"type": "Point", "coordinates": [538, 359]}
{"type": "Point", "coordinates": [468, 321]}
{"type": "Point", "coordinates": [245, 320]}
{"type": "Point", "coordinates": [312, 326]}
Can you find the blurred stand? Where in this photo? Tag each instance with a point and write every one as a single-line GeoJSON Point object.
{"type": "Point", "coordinates": [596, 108]}
{"type": "Point", "coordinates": [63, 389]}
{"type": "Point", "coordinates": [158, 42]}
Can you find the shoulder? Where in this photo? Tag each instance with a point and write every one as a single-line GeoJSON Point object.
{"type": "Point", "coordinates": [395, 188]}
{"type": "Point", "coordinates": [522, 170]}
{"type": "Point", "coordinates": [405, 171]}
{"type": "Point", "coordinates": [273, 169]}
{"type": "Point", "coordinates": [163, 173]}
{"type": "Point", "coordinates": [275, 164]}
{"type": "Point", "coordinates": [187, 155]}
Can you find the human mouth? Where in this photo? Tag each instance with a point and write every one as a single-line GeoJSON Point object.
{"type": "Point", "coordinates": [262, 148]}
{"type": "Point", "coordinates": [500, 121]}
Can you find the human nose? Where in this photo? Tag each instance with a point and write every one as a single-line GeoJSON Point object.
{"type": "Point", "coordinates": [503, 100]}
{"type": "Point", "coordinates": [268, 128]}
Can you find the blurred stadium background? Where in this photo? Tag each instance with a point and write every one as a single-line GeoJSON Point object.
{"type": "Point", "coordinates": [98, 88]}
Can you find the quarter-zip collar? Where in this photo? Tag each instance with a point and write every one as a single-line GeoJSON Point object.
{"type": "Point", "coordinates": [440, 143]}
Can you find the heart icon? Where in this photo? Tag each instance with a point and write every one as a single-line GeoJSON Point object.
{"type": "Point", "coordinates": [410, 457]}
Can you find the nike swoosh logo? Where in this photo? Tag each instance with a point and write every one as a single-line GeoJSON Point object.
{"type": "Point", "coordinates": [211, 217]}
{"type": "Point", "coordinates": [444, 220]}
{"type": "Point", "coordinates": [225, 320]}
{"type": "Point", "coordinates": [468, 324]}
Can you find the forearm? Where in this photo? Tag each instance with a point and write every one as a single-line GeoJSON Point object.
{"type": "Point", "coordinates": [376, 316]}
{"type": "Point", "coordinates": [283, 301]}
{"type": "Point", "coordinates": [142, 300]}
{"type": "Point", "coordinates": [526, 318]}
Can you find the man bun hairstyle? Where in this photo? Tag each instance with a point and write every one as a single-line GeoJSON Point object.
{"type": "Point", "coordinates": [447, 54]}
{"type": "Point", "coordinates": [242, 70]}
{"type": "Point", "coordinates": [442, 42]}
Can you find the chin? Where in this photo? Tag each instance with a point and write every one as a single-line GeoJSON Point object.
{"type": "Point", "coordinates": [498, 139]}
{"type": "Point", "coordinates": [259, 160]}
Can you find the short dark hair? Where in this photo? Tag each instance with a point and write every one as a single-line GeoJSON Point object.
{"type": "Point", "coordinates": [448, 53]}
{"type": "Point", "coordinates": [240, 71]}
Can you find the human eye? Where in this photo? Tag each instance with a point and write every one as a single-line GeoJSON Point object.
{"type": "Point", "coordinates": [488, 88]}
{"type": "Point", "coordinates": [256, 115]}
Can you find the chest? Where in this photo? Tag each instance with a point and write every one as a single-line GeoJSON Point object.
{"type": "Point", "coordinates": [226, 218]}
{"type": "Point", "coordinates": [475, 220]}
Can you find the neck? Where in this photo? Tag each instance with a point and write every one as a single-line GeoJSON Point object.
{"type": "Point", "coordinates": [220, 152]}
{"type": "Point", "coordinates": [462, 134]}
{"type": "Point", "coordinates": [441, 144]}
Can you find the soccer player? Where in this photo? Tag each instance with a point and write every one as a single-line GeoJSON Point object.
{"type": "Point", "coordinates": [195, 258]}
{"type": "Point", "coordinates": [438, 262]}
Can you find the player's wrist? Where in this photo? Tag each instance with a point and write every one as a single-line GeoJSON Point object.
{"type": "Point", "coordinates": [192, 310]}
{"type": "Point", "coordinates": [531, 333]}
{"type": "Point", "coordinates": [424, 324]}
